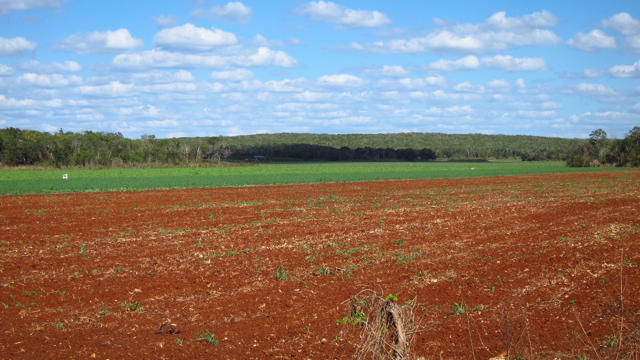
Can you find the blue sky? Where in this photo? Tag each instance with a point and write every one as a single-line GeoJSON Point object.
{"type": "Point", "coordinates": [169, 68]}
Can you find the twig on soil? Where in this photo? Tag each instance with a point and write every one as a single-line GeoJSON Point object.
{"type": "Point", "coordinates": [585, 334]}
{"type": "Point", "coordinates": [473, 351]}
{"type": "Point", "coordinates": [526, 324]}
{"type": "Point", "coordinates": [621, 292]}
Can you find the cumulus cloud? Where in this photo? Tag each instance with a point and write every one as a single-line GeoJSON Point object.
{"type": "Point", "coordinates": [500, 21]}
{"type": "Point", "coordinates": [466, 63]}
{"type": "Point", "coordinates": [509, 63]}
{"type": "Point", "coordinates": [232, 75]}
{"type": "Point", "coordinates": [6, 70]}
{"type": "Point", "coordinates": [310, 96]}
{"type": "Point", "coordinates": [633, 43]}
{"type": "Point", "coordinates": [496, 34]}
{"type": "Point", "coordinates": [286, 85]}
{"type": "Point", "coordinates": [498, 84]}
{"type": "Point", "coordinates": [163, 22]}
{"type": "Point", "coordinates": [113, 89]}
{"type": "Point", "coordinates": [164, 59]}
{"type": "Point", "coordinates": [43, 80]}
{"type": "Point", "coordinates": [626, 71]}
{"type": "Point", "coordinates": [409, 83]}
{"type": "Point", "coordinates": [623, 22]}
{"type": "Point", "coordinates": [99, 42]}
{"type": "Point", "coordinates": [341, 80]}
{"type": "Point", "coordinates": [35, 66]}
{"type": "Point", "coordinates": [28, 103]}
{"type": "Point", "coordinates": [260, 40]}
{"type": "Point", "coordinates": [341, 17]}
{"type": "Point", "coordinates": [592, 41]}
{"type": "Point", "coordinates": [235, 12]}
{"type": "Point", "coordinates": [589, 90]}
{"type": "Point", "coordinates": [192, 39]}
{"type": "Point", "coordinates": [9, 6]}
{"type": "Point", "coordinates": [170, 87]}
{"type": "Point", "coordinates": [386, 70]}
{"type": "Point", "coordinates": [17, 46]}
{"type": "Point", "coordinates": [156, 76]}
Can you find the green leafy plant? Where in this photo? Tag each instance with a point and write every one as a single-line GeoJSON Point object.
{"type": "Point", "coordinates": [281, 274]}
{"type": "Point", "coordinates": [611, 341]}
{"type": "Point", "coordinates": [458, 309]}
{"type": "Point", "coordinates": [132, 307]}
{"type": "Point", "coordinates": [207, 337]}
{"type": "Point", "coordinates": [391, 297]}
{"type": "Point", "coordinates": [178, 341]}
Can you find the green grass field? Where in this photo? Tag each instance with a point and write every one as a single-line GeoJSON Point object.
{"type": "Point", "coordinates": [50, 181]}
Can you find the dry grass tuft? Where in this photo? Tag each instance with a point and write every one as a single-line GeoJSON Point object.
{"type": "Point", "coordinates": [387, 327]}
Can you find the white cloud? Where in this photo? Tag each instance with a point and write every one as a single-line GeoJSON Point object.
{"type": "Point", "coordinates": [310, 96]}
{"type": "Point", "coordinates": [100, 42]}
{"type": "Point", "coordinates": [163, 59]}
{"type": "Point", "coordinates": [626, 71]}
{"type": "Point", "coordinates": [28, 103]}
{"type": "Point", "coordinates": [623, 22]}
{"type": "Point", "coordinates": [593, 41]}
{"type": "Point", "coordinates": [509, 63]}
{"type": "Point", "coordinates": [342, 80]}
{"type": "Point", "coordinates": [170, 87]}
{"type": "Point", "coordinates": [498, 84]}
{"type": "Point", "coordinates": [467, 87]}
{"type": "Point", "coordinates": [391, 71]}
{"type": "Point", "coordinates": [585, 89]}
{"type": "Point", "coordinates": [9, 6]}
{"type": "Point", "coordinates": [592, 73]}
{"type": "Point", "coordinates": [536, 114]}
{"type": "Point", "coordinates": [17, 46]}
{"type": "Point", "coordinates": [260, 40]}
{"type": "Point", "coordinates": [286, 85]}
{"type": "Point", "coordinates": [633, 42]}
{"type": "Point", "coordinates": [55, 67]}
{"type": "Point", "coordinates": [466, 63]}
{"type": "Point", "coordinates": [496, 34]}
{"type": "Point", "coordinates": [163, 22]}
{"type": "Point", "coordinates": [536, 20]}
{"type": "Point", "coordinates": [429, 81]}
{"type": "Point", "coordinates": [6, 70]}
{"type": "Point", "coordinates": [156, 76]}
{"type": "Point", "coordinates": [341, 17]}
{"type": "Point", "coordinates": [440, 95]}
{"type": "Point", "coordinates": [232, 75]}
{"type": "Point", "coordinates": [190, 38]}
{"type": "Point", "coordinates": [114, 89]}
{"type": "Point", "coordinates": [53, 80]}
{"type": "Point", "coordinates": [235, 12]}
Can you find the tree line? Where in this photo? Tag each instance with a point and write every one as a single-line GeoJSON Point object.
{"type": "Point", "coordinates": [599, 150]}
{"type": "Point", "coordinates": [307, 152]}
{"type": "Point", "coordinates": [445, 146]}
{"type": "Point", "coordinates": [104, 149]}
{"type": "Point", "coordinates": [88, 149]}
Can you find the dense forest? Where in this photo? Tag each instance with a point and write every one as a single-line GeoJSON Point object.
{"type": "Point", "coordinates": [599, 150]}
{"type": "Point", "coordinates": [103, 149]}
{"type": "Point", "coordinates": [445, 146]}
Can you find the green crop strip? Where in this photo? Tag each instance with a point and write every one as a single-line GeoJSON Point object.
{"type": "Point", "coordinates": [50, 181]}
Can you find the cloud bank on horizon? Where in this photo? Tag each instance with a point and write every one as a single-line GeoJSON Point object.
{"type": "Point", "coordinates": [227, 68]}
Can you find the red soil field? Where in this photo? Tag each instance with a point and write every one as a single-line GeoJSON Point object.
{"type": "Point", "coordinates": [544, 266]}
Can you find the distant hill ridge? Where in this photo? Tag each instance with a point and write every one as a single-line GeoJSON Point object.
{"type": "Point", "coordinates": [444, 145]}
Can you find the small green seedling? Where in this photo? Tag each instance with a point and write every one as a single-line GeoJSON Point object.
{"type": "Point", "coordinates": [207, 337]}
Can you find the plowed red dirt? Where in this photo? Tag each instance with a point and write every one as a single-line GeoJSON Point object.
{"type": "Point", "coordinates": [545, 265]}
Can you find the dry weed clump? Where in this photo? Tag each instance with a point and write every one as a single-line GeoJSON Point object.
{"type": "Point", "coordinates": [387, 327]}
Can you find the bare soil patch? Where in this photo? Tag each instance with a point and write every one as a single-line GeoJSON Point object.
{"type": "Point", "coordinates": [547, 265]}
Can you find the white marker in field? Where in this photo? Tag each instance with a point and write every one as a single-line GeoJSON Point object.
{"type": "Point", "coordinates": [471, 168]}
{"type": "Point", "coordinates": [64, 176]}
